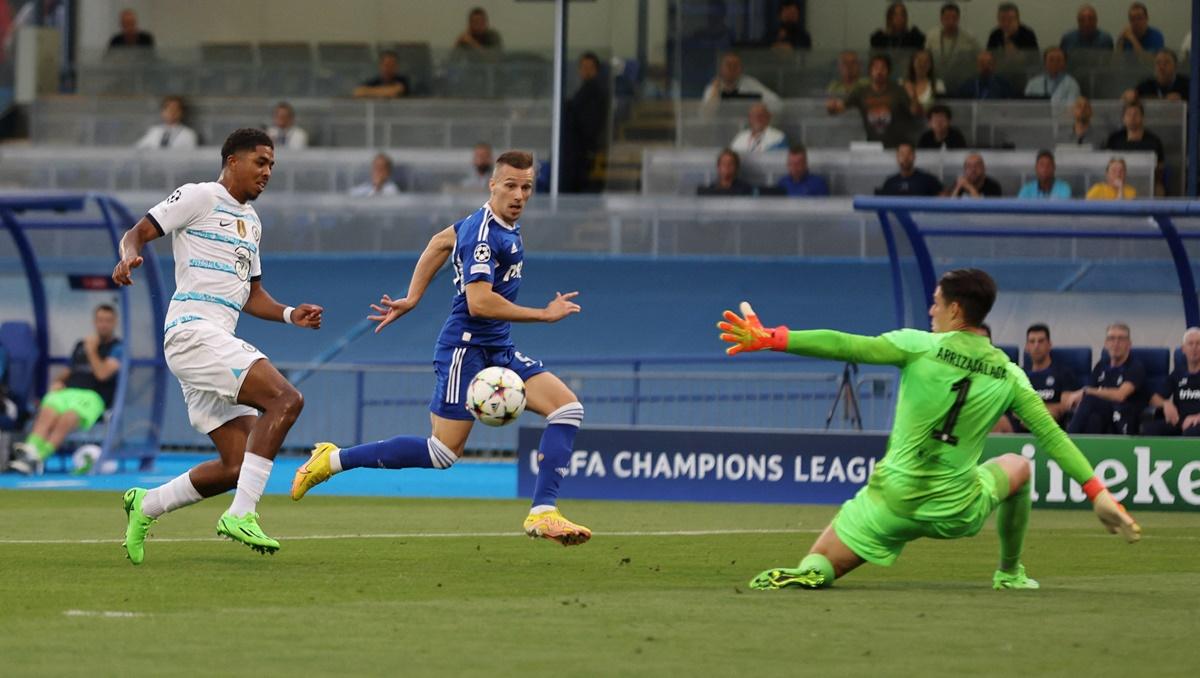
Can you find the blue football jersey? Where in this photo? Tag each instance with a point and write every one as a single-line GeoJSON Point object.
{"type": "Point", "coordinates": [485, 249]}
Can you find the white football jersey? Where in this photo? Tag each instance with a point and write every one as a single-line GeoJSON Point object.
{"type": "Point", "coordinates": [215, 242]}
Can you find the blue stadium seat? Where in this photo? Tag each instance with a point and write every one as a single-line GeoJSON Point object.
{"type": "Point", "coordinates": [20, 344]}
{"type": "Point", "coordinates": [1010, 350]}
{"type": "Point", "coordinates": [1179, 360]}
{"type": "Point", "coordinates": [1077, 359]}
{"type": "Point", "coordinates": [1157, 362]}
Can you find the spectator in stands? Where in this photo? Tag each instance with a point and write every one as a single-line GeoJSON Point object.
{"type": "Point", "coordinates": [585, 126]}
{"type": "Point", "coordinates": [1167, 83]}
{"type": "Point", "coordinates": [732, 83]}
{"type": "Point", "coordinates": [1113, 187]}
{"type": "Point", "coordinates": [799, 182]}
{"type": "Point", "coordinates": [1010, 35]}
{"type": "Point", "coordinates": [283, 130]}
{"type": "Point", "coordinates": [728, 182]}
{"type": "Point", "coordinates": [1054, 83]}
{"type": "Point", "coordinates": [1180, 401]}
{"type": "Point", "coordinates": [941, 134]}
{"type": "Point", "coordinates": [909, 180]}
{"type": "Point", "coordinates": [920, 83]}
{"type": "Point", "coordinates": [1115, 402]}
{"type": "Point", "coordinates": [1045, 185]}
{"type": "Point", "coordinates": [481, 167]}
{"type": "Point", "coordinates": [986, 84]}
{"type": "Point", "coordinates": [759, 136]}
{"type": "Point", "coordinates": [849, 75]}
{"type": "Point", "coordinates": [389, 84]}
{"type": "Point", "coordinates": [1049, 379]}
{"type": "Point", "coordinates": [381, 182]}
{"type": "Point", "coordinates": [791, 34]}
{"type": "Point", "coordinates": [896, 33]}
{"type": "Point", "coordinates": [130, 35]}
{"type": "Point", "coordinates": [79, 395]}
{"type": "Point", "coordinates": [883, 104]}
{"type": "Point", "coordinates": [1138, 35]}
{"type": "Point", "coordinates": [171, 132]}
{"type": "Point", "coordinates": [479, 39]}
{"type": "Point", "coordinates": [948, 42]}
{"type": "Point", "coordinates": [1081, 132]}
{"type": "Point", "coordinates": [974, 181]}
{"type": "Point", "coordinates": [1135, 137]}
{"type": "Point", "coordinates": [1088, 35]}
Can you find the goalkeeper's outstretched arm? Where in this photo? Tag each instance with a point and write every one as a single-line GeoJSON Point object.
{"type": "Point", "coordinates": [1051, 438]}
{"type": "Point", "coordinates": [746, 333]}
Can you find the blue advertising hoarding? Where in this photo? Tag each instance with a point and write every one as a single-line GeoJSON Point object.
{"type": "Point", "coordinates": [709, 465]}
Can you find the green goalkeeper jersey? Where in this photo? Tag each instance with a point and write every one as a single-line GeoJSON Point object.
{"type": "Point", "coordinates": [953, 388]}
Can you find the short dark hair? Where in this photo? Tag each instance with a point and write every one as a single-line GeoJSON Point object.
{"type": "Point", "coordinates": [1045, 154]}
{"type": "Point", "coordinates": [940, 108]}
{"type": "Point", "coordinates": [244, 139]}
{"type": "Point", "coordinates": [389, 53]}
{"type": "Point", "coordinates": [1170, 53]}
{"type": "Point", "coordinates": [950, 7]}
{"type": "Point", "coordinates": [902, 144]}
{"type": "Point", "coordinates": [1038, 327]}
{"type": "Point", "coordinates": [972, 289]}
{"type": "Point", "coordinates": [1008, 7]}
{"type": "Point", "coordinates": [887, 61]}
{"type": "Point", "coordinates": [173, 98]}
{"type": "Point", "coordinates": [476, 10]}
{"type": "Point", "coordinates": [104, 307]}
{"type": "Point", "coordinates": [286, 106]}
{"type": "Point", "coordinates": [897, 5]}
{"type": "Point", "coordinates": [1136, 103]}
{"type": "Point", "coordinates": [1141, 6]}
{"type": "Point", "coordinates": [737, 159]}
{"type": "Point", "coordinates": [516, 159]}
{"type": "Point", "coordinates": [591, 56]}
{"type": "Point", "coordinates": [797, 149]}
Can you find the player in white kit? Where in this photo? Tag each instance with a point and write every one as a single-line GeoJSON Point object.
{"type": "Point", "coordinates": [233, 393]}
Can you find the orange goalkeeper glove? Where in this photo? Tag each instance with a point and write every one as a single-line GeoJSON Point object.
{"type": "Point", "coordinates": [748, 334]}
{"type": "Point", "coordinates": [1111, 513]}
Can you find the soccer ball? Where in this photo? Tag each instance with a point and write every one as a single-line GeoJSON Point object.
{"type": "Point", "coordinates": [496, 396]}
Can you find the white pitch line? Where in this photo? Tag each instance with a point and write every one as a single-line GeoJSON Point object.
{"type": "Point", "coordinates": [108, 614]}
{"type": "Point", "coordinates": [418, 535]}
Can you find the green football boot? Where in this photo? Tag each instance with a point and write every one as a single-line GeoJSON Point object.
{"type": "Point", "coordinates": [245, 529]}
{"type": "Point", "coordinates": [784, 577]}
{"type": "Point", "coordinates": [137, 527]}
{"type": "Point", "coordinates": [1017, 580]}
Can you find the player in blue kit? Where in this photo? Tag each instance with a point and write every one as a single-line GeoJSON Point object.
{"type": "Point", "coordinates": [488, 257]}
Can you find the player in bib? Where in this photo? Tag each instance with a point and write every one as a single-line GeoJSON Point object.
{"type": "Point", "coordinates": [233, 393]}
{"type": "Point", "coordinates": [488, 258]}
{"type": "Point", "coordinates": [954, 386]}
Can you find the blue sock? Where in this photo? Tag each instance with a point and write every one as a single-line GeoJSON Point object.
{"type": "Point", "coordinates": [399, 452]}
{"type": "Point", "coordinates": [554, 453]}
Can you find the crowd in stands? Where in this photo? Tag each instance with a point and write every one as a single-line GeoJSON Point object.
{"type": "Point", "coordinates": [1121, 395]}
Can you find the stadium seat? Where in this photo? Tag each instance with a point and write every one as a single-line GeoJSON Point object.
{"type": "Point", "coordinates": [1180, 362]}
{"type": "Point", "coordinates": [20, 344]}
{"type": "Point", "coordinates": [1077, 359]}
{"type": "Point", "coordinates": [416, 63]}
{"type": "Point", "coordinates": [1010, 350]}
{"type": "Point", "coordinates": [1157, 362]}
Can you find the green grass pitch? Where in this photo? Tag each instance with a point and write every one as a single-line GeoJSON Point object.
{"type": "Point", "coordinates": [448, 588]}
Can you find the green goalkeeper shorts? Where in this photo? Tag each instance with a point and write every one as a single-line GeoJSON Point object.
{"type": "Point", "coordinates": [877, 535]}
{"type": "Point", "coordinates": [87, 405]}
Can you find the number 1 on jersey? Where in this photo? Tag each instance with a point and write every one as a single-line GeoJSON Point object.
{"type": "Point", "coordinates": [946, 433]}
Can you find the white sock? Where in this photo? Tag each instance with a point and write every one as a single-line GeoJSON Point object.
{"type": "Point", "coordinates": [251, 482]}
{"type": "Point", "coordinates": [335, 462]}
{"type": "Point", "coordinates": [542, 508]}
{"type": "Point", "coordinates": [174, 495]}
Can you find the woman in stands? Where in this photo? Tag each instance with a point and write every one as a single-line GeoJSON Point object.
{"type": "Point", "coordinates": [1113, 187]}
{"type": "Point", "coordinates": [922, 85]}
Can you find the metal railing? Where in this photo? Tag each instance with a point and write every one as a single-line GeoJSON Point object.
{"type": "Point", "coordinates": [360, 401]}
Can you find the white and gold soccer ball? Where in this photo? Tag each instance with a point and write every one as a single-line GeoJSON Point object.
{"type": "Point", "coordinates": [496, 396]}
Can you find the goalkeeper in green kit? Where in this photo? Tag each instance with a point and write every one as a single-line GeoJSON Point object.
{"type": "Point", "coordinates": [954, 385]}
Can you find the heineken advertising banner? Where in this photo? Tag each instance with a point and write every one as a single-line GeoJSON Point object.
{"type": "Point", "coordinates": [1142, 473]}
{"type": "Point", "coordinates": [828, 468]}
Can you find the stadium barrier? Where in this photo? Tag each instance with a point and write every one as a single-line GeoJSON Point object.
{"type": "Point", "coordinates": [1159, 474]}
